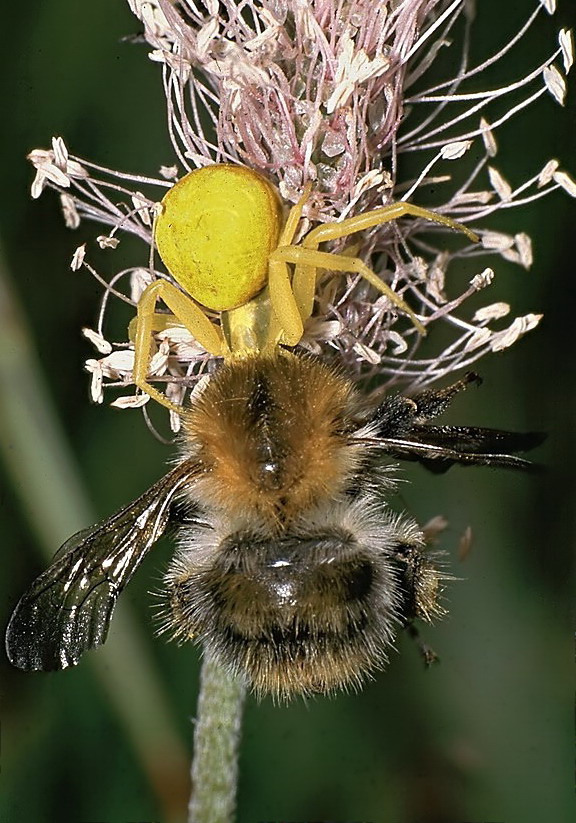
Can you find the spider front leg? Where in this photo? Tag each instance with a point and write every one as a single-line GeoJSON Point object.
{"type": "Point", "coordinates": [293, 303]}
{"type": "Point", "coordinates": [288, 317]}
{"type": "Point", "coordinates": [377, 217]}
{"type": "Point", "coordinates": [188, 313]}
{"type": "Point", "coordinates": [304, 281]}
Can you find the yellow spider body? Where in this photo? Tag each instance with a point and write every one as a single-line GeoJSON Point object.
{"type": "Point", "coordinates": [222, 237]}
{"type": "Point", "coordinates": [215, 234]}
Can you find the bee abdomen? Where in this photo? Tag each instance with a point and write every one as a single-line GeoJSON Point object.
{"type": "Point", "coordinates": [291, 614]}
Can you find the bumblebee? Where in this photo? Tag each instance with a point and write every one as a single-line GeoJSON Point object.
{"type": "Point", "coordinates": [291, 568]}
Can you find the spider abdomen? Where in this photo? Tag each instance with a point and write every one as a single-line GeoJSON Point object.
{"type": "Point", "coordinates": [215, 233]}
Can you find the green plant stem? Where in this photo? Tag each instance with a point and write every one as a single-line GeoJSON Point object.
{"type": "Point", "coordinates": [216, 743]}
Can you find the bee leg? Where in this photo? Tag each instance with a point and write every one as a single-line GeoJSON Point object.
{"type": "Point", "coordinates": [433, 402]}
{"type": "Point", "coordinates": [427, 653]}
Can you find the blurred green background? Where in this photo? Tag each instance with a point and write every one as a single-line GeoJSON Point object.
{"type": "Point", "coordinates": [484, 736]}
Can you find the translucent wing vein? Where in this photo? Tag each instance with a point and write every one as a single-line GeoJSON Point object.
{"type": "Point", "coordinates": [68, 608]}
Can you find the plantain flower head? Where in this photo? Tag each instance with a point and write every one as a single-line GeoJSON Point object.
{"type": "Point", "coordinates": [338, 95]}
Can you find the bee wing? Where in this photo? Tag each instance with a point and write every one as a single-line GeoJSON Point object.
{"type": "Point", "coordinates": [478, 440]}
{"type": "Point", "coordinates": [439, 447]}
{"type": "Point", "coordinates": [68, 608]}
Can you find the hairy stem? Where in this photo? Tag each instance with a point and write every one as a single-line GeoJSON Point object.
{"type": "Point", "coordinates": [216, 739]}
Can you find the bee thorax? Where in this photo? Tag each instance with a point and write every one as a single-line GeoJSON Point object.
{"type": "Point", "coordinates": [271, 434]}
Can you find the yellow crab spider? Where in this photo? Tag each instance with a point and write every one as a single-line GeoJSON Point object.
{"type": "Point", "coordinates": [221, 235]}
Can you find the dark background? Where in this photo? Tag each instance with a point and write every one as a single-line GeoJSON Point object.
{"type": "Point", "coordinates": [484, 736]}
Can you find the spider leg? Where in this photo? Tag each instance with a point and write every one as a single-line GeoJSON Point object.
{"type": "Point", "coordinates": [294, 217]}
{"type": "Point", "coordinates": [304, 281]}
{"type": "Point", "coordinates": [287, 320]}
{"type": "Point", "coordinates": [308, 260]}
{"type": "Point", "coordinates": [188, 313]}
{"type": "Point", "coordinates": [284, 303]}
{"type": "Point", "coordinates": [376, 217]}
{"type": "Point", "coordinates": [160, 322]}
